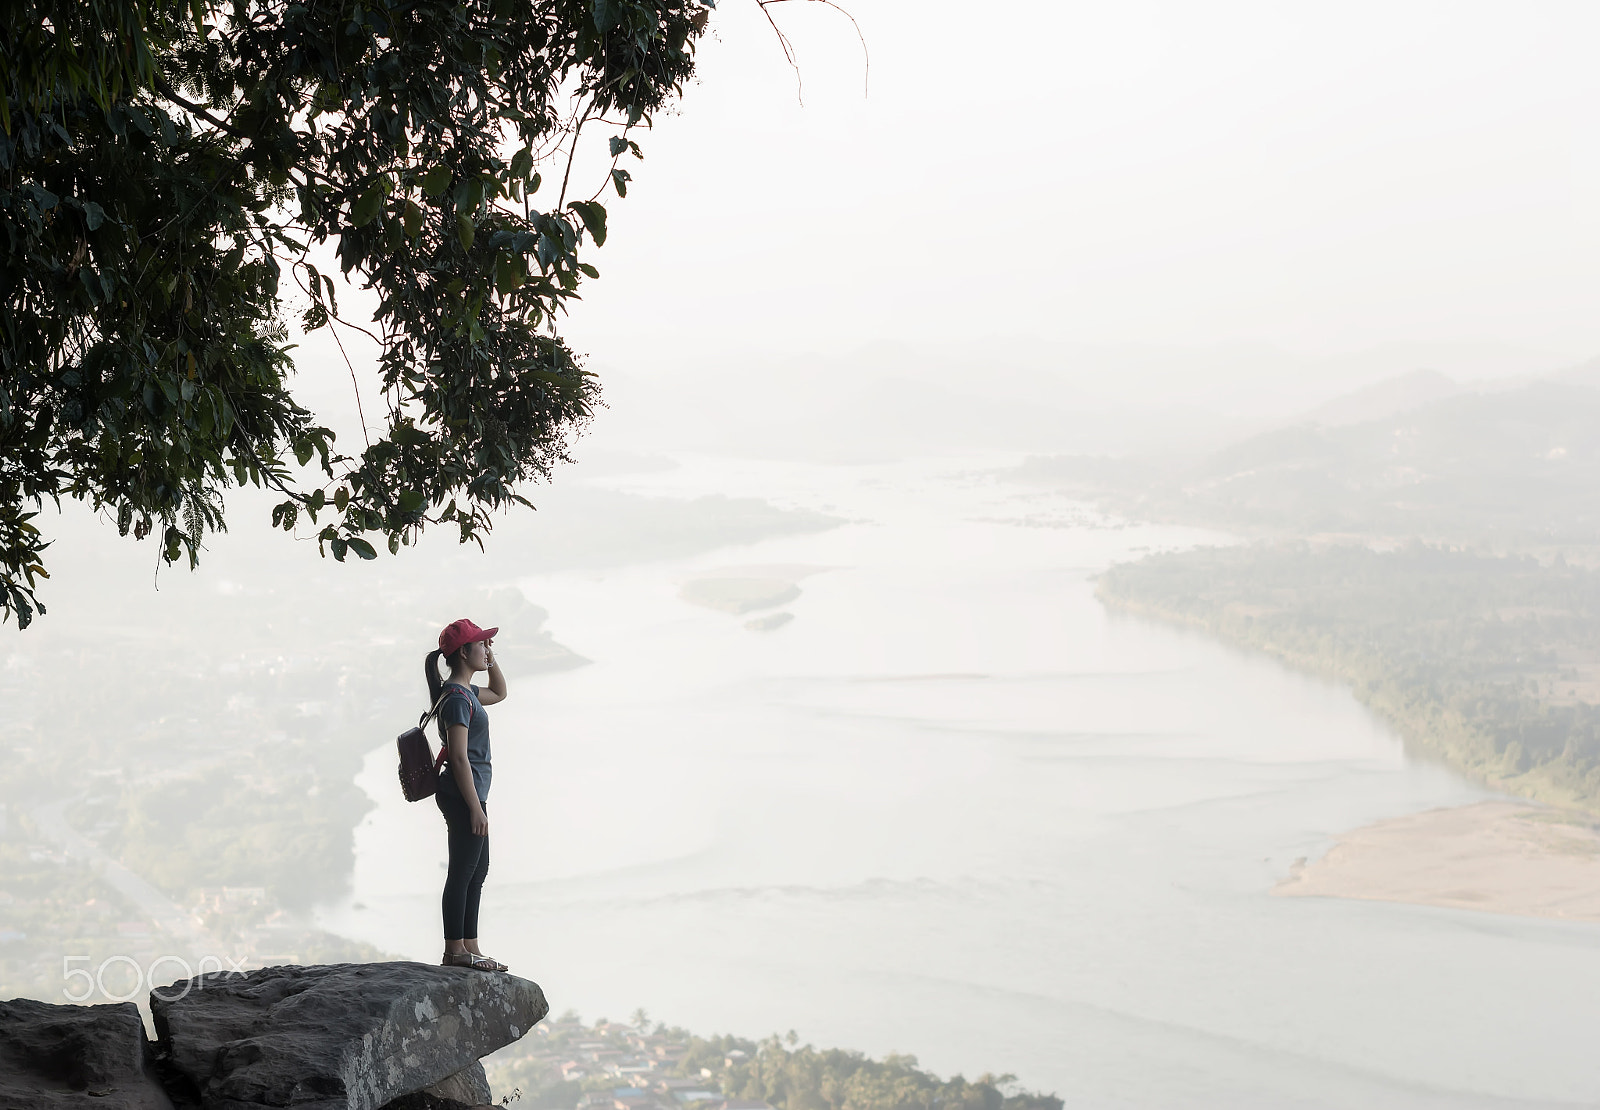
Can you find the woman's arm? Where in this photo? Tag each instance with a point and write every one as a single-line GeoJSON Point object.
{"type": "Point", "coordinates": [461, 770]}
{"type": "Point", "coordinates": [496, 690]}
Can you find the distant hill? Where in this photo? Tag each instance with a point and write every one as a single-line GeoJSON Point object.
{"type": "Point", "coordinates": [1384, 399]}
{"type": "Point", "coordinates": [1514, 468]}
{"type": "Point", "coordinates": [1522, 465]}
{"type": "Point", "coordinates": [1586, 373]}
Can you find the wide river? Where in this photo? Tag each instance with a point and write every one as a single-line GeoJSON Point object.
{"type": "Point", "coordinates": [956, 809]}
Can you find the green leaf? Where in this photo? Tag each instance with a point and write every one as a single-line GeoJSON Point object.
{"type": "Point", "coordinates": [620, 178]}
{"type": "Point", "coordinates": [522, 163]}
{"type": "Point", "coordinates": [366, 209]}
{"type": "Point", "coordinates": [469, 195]}
{"type": "Point", "coordinates": [409, 435]}
{"type": "Point", "coordinates": [413, 219]}
{"type": "Point", "coordinates": [593, 215]}
{"type": "Point", "coordinates": [588, 269]}
{"type": "Point", "coordinates": [618, 145]}
{"type": "Point", "coordinates": [362, 548]}
{"type": "Point", "coordinates": [464, 230]}
{"type": "Point", "coordinates": [410, 500]}
{"type": "Point", "coordinates": [339, 547]}
{"type": "Point", "coordinates": [436, 180]}
{"type": "Point", "coordinates": [93, 215]}
{"type": "Point", "coordinates": [507, 273]}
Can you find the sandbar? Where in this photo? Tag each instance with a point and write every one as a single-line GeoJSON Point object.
{"type": "Point", "coordinates": [1493, 856]}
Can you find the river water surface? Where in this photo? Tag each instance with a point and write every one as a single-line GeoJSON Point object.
{"type": "Point", "coordinates": [956, 809]}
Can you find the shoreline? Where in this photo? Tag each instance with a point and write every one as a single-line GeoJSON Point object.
{"type": "Point", "coordinates": [1507, 857]}
{"type": "Point", "coordinates": [1427, 730]}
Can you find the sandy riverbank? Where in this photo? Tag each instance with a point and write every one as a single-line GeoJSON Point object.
{"type": "Point", "coordinates": [1499, 857]}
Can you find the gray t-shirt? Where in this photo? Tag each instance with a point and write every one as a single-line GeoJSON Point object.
{"type": "Point", "coordinates": [457, 710]}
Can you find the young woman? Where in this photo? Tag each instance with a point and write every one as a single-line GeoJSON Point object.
{"type": "Point", "coordinates": [463, 794]}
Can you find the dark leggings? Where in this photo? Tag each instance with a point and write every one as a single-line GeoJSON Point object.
{"type": "Point", "coordinates": [469, 864]}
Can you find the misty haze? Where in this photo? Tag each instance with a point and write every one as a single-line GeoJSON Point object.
{"type": "Point", "coordinates": [1076, 583]}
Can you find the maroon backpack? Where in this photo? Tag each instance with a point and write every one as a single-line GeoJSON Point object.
{"type": "Point", "coordinates": [419, 767]}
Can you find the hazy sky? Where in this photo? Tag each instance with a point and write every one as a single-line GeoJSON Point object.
{"type": "Point", "coordinates": [1324, 178]}
{"type": "Point", "coordinates": [1231, 207]}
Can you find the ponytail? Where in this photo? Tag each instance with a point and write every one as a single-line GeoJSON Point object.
{"type": "Point", "coordinates": [430, 670]}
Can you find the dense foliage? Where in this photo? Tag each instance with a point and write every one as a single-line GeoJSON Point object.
{"type": "Point", "coordinates": [168, 173]}
{"type": "Point", "coordinates": [1492, 662]}
{"type": "Point", "coordinates": [778, 1071]}
{"type": "Point", "coordinates": [805, 1078]}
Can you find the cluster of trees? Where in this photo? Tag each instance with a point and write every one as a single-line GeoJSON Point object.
{"type": "Point", "coordinates": [1491, 661]}
{"type": "Point", "coordinates": [800, 1077]}
{"type": "Point", "coordinates": [172, 172]}
{"type": "Point", "coordinates": [778, 1070]}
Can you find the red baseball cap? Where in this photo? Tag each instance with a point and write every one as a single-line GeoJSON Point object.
{"type": "Point", "coordinates": [461, 632]}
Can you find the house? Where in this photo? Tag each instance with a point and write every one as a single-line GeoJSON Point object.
{"type": "Point", "coordinates": [591, 1050]}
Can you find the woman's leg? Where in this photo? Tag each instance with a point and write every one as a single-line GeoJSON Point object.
{"type": "Point", "coordinates": [465, 849]}
{"type": "Point", "coordinates": [469, 918]}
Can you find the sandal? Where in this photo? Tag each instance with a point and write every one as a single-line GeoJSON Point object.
{"type": "Point", "coordinates": [467, 959]}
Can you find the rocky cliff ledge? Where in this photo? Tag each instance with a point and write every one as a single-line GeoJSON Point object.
{"type": "Point", "coordinates": [387, 1036]}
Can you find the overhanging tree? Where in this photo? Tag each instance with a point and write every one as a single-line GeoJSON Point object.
{"type": "Point", "coordinates": [167, 173]}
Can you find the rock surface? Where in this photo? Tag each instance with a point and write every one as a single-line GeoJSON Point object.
{"type": "Point", "coordinates": [470, 1085]}
{"type": "Point", "coordinates": [422, 1100]}
{"type": "Point", "coordinates": [65, 1056]}
{"type": "Point", "coordinates": [341, 1037]}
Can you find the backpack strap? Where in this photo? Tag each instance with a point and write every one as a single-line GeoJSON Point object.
{"type": "Point", "coordinates": [466, 692]}
{"type": "Point", "coordinates": [438, 705]}
{"type": "Point", "coordinates": [423, 720]}
{"type": "Point", "coordinates": [444, 748]}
